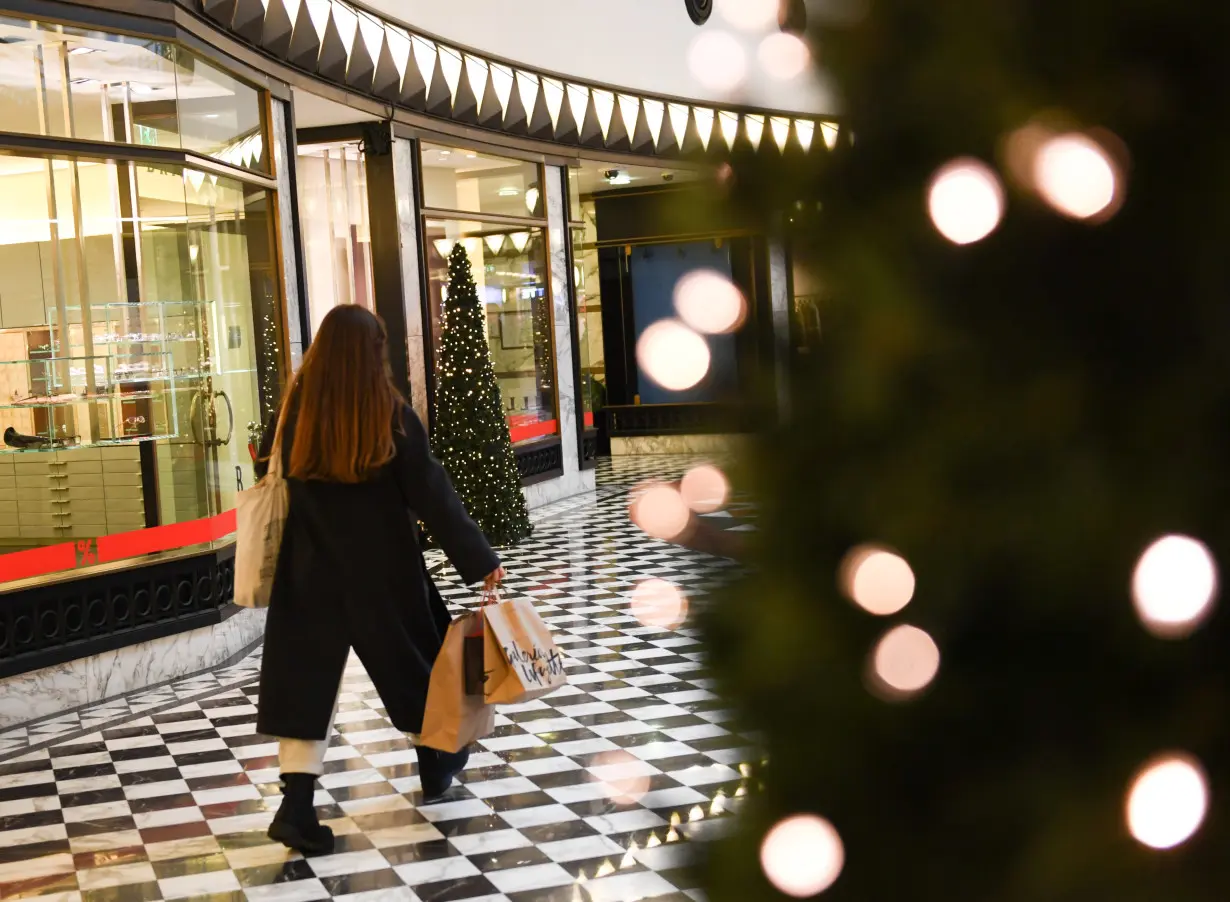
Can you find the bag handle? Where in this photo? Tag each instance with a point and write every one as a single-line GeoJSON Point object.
{"type": "Point", "coordinates": [275, 452]}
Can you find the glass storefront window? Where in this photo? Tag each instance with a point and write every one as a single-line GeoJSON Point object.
{"type": "Point", "coordinates": [140, 320]}
{"type": "Point", "coordinates": [589, 315]}
{"type": "Point", "coordinates": [510, 270]}
{"type": "Point", "coordinates": [471, 182]}
{"type": "Point", "coordinates": [67, 82]}
{"type": "Point", "coordinates": [336, 234]}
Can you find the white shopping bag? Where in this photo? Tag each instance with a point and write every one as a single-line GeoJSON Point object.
{"type": "Point", "coordinates": [522, 661]}
{"type": "Point", "coordinates": [260, 519]}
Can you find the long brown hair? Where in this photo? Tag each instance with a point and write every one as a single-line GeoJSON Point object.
{"type": "Point", "coordinates": [345, 398]}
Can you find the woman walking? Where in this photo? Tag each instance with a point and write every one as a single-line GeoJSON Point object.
{"type": "Point", "coordinates": [350, 574]}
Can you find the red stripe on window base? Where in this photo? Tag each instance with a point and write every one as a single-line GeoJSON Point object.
{"type": "Point", "coordinates": [589, 421]}
{"type": "Point", "coordinates": [116, 547]}
{"type": "Point", "coordinates": [532, 430]}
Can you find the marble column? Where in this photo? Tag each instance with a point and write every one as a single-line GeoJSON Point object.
{"type": "Point", "coordinates": [282, 162]}
{"type": "Point", "coordinates": [574, 480]}
{"type": "Point", "coordinates": [411, 260]}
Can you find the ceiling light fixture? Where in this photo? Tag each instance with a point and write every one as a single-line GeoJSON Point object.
{"type": "Point", "coordinates": [508, 191]}
{"type": "Point", "coordinates": [520, 240]}
{"type": "Point", "coordinates": [531, 199]}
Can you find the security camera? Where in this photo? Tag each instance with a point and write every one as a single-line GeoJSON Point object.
{"type": "Point", "coordinates": [617, 177]}
{"type": "Point", "coordinates": [610, 174]}
{"type": "Point", "coordinates": [668, 176]}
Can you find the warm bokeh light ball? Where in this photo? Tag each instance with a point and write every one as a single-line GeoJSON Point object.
{"type": "Point", "coordinates": [748, 15]}
{"type": "Point", "coordinates": [660, 603]}
{"type": "Point", "coordinates": [1167, 801]}
{"type": "Point", "coordinates": [905, 661]}
{"type": "Point", "coordinates": [674, 356]}
{"type": "Point", "coordinates": [705, 489]}
{"type": "Point", "coordinates": [784, 56]}
{"type": "Point", "coordinates": [1174, 586]}
{"type": "Point", "coordinates": [965, 200]}
{"type": "Point", "coordinates": [1075, 175]}
{"type": "Point", "coordinates": [802, 855]}
{"type": "Point", "coordinates": [717, 60]}
{"type": "Point", "coordinates": [660, 511]}
{"type": "Point", "coordinates": [709, 302]}
{"type": "Point", "coordinates": [877, 580]}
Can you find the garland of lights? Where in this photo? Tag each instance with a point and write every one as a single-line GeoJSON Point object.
{"type": "Point", "coordinates": [471, 435]}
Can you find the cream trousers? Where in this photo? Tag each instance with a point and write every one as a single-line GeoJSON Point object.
{"type": "Point", "coordinates": [307, 756]}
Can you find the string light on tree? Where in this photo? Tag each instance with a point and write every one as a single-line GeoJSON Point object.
{"type": "Point", "coordinates": [471, 435]}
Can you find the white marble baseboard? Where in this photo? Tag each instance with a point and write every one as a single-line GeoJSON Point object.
{"type": "Point", "coordinates": [95, 678]}
{"type": "Point", "coordinates": [552, 490]}
{"type": "Point", "coordinates": [674, 444]}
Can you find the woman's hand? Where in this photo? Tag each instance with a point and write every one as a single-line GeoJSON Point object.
{"type": "Point", "coordinates": [493, 579]}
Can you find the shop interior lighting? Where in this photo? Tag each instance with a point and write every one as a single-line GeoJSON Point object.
{"type": "Point", "coordinates": [443, 246]}
{"type": "Point", "coordinates": [424, 58]}
{"type": "Point", "coordinates": [753, 126]}
{"type": "Point", "coordinates": [531, 198]}
{"type": "Point", "coordinates": [604, 106]}
{"type": "Point", "coordinates": [655, 112]}
{"type": "Point", "coordinates": [828, 131]}
{"type": "Point", "coordinates": [81, 51]}
{"type": "Point", "coordinates": [520, 240]}
{"type": "Point", "coordinates": [495, 243]}
{"type": "Point", "coordinates": [729, 123]}
{"type": "Point", "coordinates": [679, 121]}
{"type": "Point", "coordinates": [553, 93]}
{"type": "Point", "coordinates": [806, 130]}
{"type": "Point", "coordinates": [704, 124]}
{"type": "Point", "coordinates": [508, 191]}
{"type": "Point", "coordinates": [139, 88]}
{"type": "Point", "coordinates": [780, 127]}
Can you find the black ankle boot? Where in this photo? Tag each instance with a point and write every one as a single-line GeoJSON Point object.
{"type": "Point", "coordinates": [295, 825]}
{"type": "Point", "coordinates": [437, 770]}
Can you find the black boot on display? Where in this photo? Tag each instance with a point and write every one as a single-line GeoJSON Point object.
{"type": "Point", "coordinates": [15, 439]}
{"type": "Point", "coordinates": [295, 825]}
{"type": "Point", "coordinates": [437, 770]}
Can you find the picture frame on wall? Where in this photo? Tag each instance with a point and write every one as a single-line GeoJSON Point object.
{"type": "Point", "coordinates": [516, 330]}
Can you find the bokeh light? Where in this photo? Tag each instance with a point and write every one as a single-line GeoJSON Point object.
{"type": "Point", "coordinates": [709, 302]}
{"type": "Point", "coordinates": [660, 511]}
{"type": "Point", "coordinates": [1167, 801]}
{"type": "Point", "coordinates": [625, 776]}
{"type": "Point", "coordinates": [802, 855]}
{"type": "Point", "coordinates": [784, 56]}
{"type": "Point", "coordinates": [718, 60]}
{"type": "Point", "coordinates": [877, 580]}
{"type": "Point", "coordinates": [965, 200]}
{"type": "Point", "coordinates": [749, 15]}
{"type": "Point", "coordinates": [905, 661]}
{"type": "Point", "coordinates": [672, 355]}
{"type": "Point", "coordinates": [660, 603]}
{"type": "Point", "coordinates": [1075, 175]}
{"type": "Point", "coordinates": [705, 489]}
{"type": "Point", "coordinates": [1174, 586]}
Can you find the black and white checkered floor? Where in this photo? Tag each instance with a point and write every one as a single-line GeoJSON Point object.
{"type": "Point", "coordinates": [595, 792]}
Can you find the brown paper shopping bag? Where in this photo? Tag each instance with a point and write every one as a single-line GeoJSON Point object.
{"type": "Point", "coordinates": [453, 719]}
{"type": "Point", "coordinates": [522, 660]}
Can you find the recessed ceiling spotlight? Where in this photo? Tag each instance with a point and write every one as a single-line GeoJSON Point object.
{"type": "Point", "coordinates": [446, 153]}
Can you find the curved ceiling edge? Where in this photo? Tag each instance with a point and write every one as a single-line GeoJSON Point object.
{"type": "Point", "coordinates": [352, 47]}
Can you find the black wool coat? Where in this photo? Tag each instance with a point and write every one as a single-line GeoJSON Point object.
{"type": "Point", "coordinates": [351, 574]}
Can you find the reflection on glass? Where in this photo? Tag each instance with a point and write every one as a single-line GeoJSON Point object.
{"type": "Point", "coordinates": [336, 235]}
{"type": "Point", "coordinates": [589, 314]}
{"type": "Point", "coordinates": [471, 182]}
{"type": "Point", "coordinates": [104, 87]}
{"type": "Point", "coordinates": [115, 340]}
{"type": "Point", "coordinates": [510, 272]}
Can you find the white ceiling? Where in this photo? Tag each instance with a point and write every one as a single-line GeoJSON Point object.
{"type": "Point", "coordinates": [637, 44]}
{"type": "Point", "coordinates": [314, 112]}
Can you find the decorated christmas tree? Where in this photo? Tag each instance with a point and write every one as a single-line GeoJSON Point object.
{"type": "Point", "coordinates": [470, 435]}
{"type": "Point", "coordinates": [1022, 386]}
